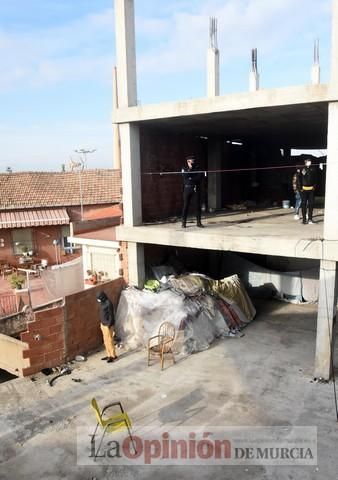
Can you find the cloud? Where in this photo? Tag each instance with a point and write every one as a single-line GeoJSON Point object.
{"type": "Point", "coordinates": [172, 38]}
{"type": "Point", "coordinates": [242, 24]}
{"type": "Point", "coordinates": [78, 50]}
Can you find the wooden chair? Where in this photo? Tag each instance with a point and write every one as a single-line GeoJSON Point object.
{"type": "Point", "coordinates": [162, 343]}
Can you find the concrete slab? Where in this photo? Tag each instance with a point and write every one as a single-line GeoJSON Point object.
{"type": "Point", "coordinates": [266, 232]}
{"type": "Point", "coordinates": [263, 378]}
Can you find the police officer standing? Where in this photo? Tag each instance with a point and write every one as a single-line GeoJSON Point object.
{"type": "Point", "coordinates": [191, 189]}
{"type": "Point", "coordinates": [307, 180]}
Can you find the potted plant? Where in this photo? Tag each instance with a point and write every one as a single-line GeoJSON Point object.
{"type": "Point", "coordinates": [17, 281]}
{"type": "Point", "coordinates": [92, 278]}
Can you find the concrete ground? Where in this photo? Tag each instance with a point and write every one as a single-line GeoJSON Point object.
{"type": "Point", "coordinates": [261, 379]}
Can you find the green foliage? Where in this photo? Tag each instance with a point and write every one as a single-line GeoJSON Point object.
{"type": "Point", "coordinates": [16, 280]}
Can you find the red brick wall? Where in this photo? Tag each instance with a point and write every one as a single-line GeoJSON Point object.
{"type": "Point", "coordinates": [43, 245]}
{"type": "Point", "coordinates": [68, 330]}
{"type": "Point", "coordinates": [93, 211]}
{"type": "Point", "coordinates": [82, 317]}
{"type": "Point", "coordinates": [6, 252]}
{"type": "Point", "coordinates": [123, 257]}
{"type": "Point", "coordinates": [49, 349]}
{"type": "Point", "coordinates": [164, 151]}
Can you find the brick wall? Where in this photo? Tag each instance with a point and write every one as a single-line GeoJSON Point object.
{"type": "Point", "coordinates": [46, 340]}
{"type": "Point", "coordinates": [123, 257]}
{"type": "Point", "coordinates": [43, 245]}
{"type": "Point", "coordinates": [165, 151]}
{"type": "Point", "coordinates": [6, 252]}
{"type": "Point", "coordinates": [82, 317]}
{"type": "Point", "coordinates": [55, 335]}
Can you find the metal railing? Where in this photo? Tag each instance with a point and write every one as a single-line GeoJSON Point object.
{"type": "Point", "coordinates": [8, 304]}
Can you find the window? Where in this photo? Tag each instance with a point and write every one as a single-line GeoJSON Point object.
{"type": "Point", "coordinates": [22, 240]}
{"type": "Point", "coordinates": [67, 246]}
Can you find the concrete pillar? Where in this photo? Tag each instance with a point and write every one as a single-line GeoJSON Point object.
{"type": "Point", "coordinates": [331, 190]}
{"type": "Point", "coordinates": [116, 129]}
{"type": "Point", "coordinates": [213, 72]}
{"type": "Point", "coordinates": [125, 52]}
{"type": "Point", "coordinates": [315, 74]}
{"type": "Point", "coordinates": [334, 46]}
{"type": "Point", "coordinates": [136, 269]}
{"type": "Point", "coordinates": [326, 319]}
{"type": "Point", "coordinates": [253, 81]}
{"type": "Point", "coordinates": [215, 154]}
{"type": "Point", "coordinates": [131, 175]}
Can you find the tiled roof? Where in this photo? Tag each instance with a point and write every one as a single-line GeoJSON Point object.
{"type": "Point", "coordinates": [53, 189]}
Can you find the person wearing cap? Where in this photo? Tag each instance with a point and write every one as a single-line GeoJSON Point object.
{"type": "Point", "coordinates": [307, 181]}
{"type": "Point", "coordinates": [191, 189]}
{"type": "Point", "coordinates": [107, 325]}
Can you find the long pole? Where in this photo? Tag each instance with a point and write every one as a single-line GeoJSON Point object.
{"type": "Point", "coordinates": [81, 197]}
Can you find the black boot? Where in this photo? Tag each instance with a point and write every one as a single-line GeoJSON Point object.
{"type": "Point", "coordinates": [199, 224]}
{"type": "Point", "coordinates": [184, 225]}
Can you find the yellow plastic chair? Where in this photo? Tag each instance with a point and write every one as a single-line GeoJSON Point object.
{"type": "Point", "coordinates": [114, 423]}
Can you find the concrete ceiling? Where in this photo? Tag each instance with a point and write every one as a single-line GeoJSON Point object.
{"type": "Point", "coordinates": [301, 126]}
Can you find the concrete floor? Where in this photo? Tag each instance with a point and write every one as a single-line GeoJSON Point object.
{"type": "Point", "coordinates": [270, 231]}
{"type": "Point", "coordinates": [261, 379]}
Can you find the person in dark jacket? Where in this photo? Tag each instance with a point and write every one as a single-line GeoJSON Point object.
{"type": "Point", "coordinates": [191, 189]}
{"type": "Point", "coordinates": [307, 181]}
{"type": "Point", "coordinates": [297, 192]}
{"type": "Point", "coordinates": [107, 325]}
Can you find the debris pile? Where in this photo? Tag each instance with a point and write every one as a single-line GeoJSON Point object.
{"type": "Point", "coordinates": [201, 309]}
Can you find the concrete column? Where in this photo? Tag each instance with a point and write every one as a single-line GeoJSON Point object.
{"type": "Point", "coordinates": [334, 46]}
{"type": "Point", "coordinates": [131, 175]}
{"type": "Point", "coordinates": [116, 128]}
{"type": "Point", "coordinates": [136, 269]}
{"type": "Point", "coordinates": [213, 72]}
{"type": "Point", "coordinates": [326, 319]}
{"type": "Point", "coordinates": [125, 52]}
{"type": "Point", "coordinates": [315, 74]}
{"type": "Point", "coordinates": [331, 190]}
{"type": "Point", "coordinates": [253, 81]}
{"type": "Point", "coordinates": [215, 153]}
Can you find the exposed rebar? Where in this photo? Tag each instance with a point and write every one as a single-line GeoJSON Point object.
{"type": "Point", "coordinates": [316, 51]}
{"type": "Point", "coordinates": [254, 60]}
{"type": "Point", "coordinates": [213, 43]}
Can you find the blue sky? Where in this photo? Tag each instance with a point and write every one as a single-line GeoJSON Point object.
{"type": "Point", "coordinates": [56, 58]}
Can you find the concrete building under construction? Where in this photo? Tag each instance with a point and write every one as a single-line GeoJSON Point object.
{"type": "Point", "coordinates": [249, 131]}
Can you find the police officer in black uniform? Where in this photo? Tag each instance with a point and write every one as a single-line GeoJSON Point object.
{"type": "Point", "coordinates": [191, 189]}
{"type": "Point", "coordinates": [307, 180]}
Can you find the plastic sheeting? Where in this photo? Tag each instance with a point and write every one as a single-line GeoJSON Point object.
{"type": "Point", "coordinates": [140, 314]}
{"type": "Point", "coordinates": [64, 279]}
{"type": "Point", "coordinates": [199, 317]}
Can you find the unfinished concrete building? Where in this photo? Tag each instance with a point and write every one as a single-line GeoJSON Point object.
{"type": "Point", "coordinates": [252, 130]}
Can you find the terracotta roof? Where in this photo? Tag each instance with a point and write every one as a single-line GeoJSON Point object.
{"type": "Point", "coordinates": [53, 189]}
{"type": "Point", "coordinates": [36, 218]}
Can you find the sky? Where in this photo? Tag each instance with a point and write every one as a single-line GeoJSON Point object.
{"type": "Point", "coordinates": [56, 60]}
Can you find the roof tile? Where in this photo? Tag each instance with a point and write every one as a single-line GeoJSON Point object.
{"type": "Point", "coordinates": [53, 189]}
